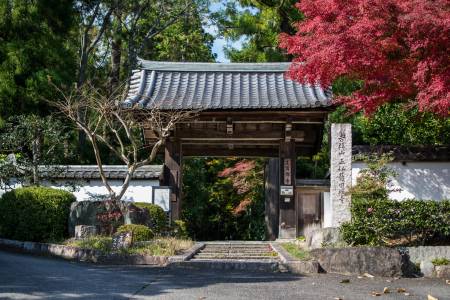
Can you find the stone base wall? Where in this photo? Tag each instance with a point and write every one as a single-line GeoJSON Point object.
{"type": "Point", "coordinates": [78, 254]}
{"type": "Point", "coordinates": [427, 253]}
{"type": "Point", "coordinates": [377, 261]}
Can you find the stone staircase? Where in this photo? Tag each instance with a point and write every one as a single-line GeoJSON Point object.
{"type": "Point", "coordinates": [232, 255]}
{"type": "Point", "coordinates": [235, 250]}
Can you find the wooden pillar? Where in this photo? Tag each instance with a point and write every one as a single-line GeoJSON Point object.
{"type": "Point", "coordinates": [271, 191]}
{"type": "Point", "coordinates": [172, 176]}
{"type": "Point", "coordinates": [288, 222]}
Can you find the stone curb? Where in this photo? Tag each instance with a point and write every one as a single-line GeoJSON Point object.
{"type": "Point", "coordinates": [442, 271]}
{"type": "Point", "coordinates": [188, 254]}
{"type": "Point", "coordinates": [294, 265]}
{"type": "Point", "coordinates": [82, 255]}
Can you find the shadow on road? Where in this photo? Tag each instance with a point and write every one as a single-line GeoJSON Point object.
{"type": "Point", "coordinates": [31, 277]}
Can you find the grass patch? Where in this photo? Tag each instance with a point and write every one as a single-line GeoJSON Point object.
{"type": "Point", "coordinates": [442, 261]}
{"type": "Point", "coordinates": [101, 243]}
{"type": "Point", "coordinates": [296, 251]}
{"type": "Point", "coordinates": [162, 247]}
{"type": "Point", "coordinates": [158, 247]}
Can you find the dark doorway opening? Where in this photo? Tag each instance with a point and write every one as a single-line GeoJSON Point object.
{"type": "Point", "coordinates": [223, 198]}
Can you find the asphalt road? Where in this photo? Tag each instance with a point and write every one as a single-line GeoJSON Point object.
{"type": "Point", "coordinates": [30, 277]}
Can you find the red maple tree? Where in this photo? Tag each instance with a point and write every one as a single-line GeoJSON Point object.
{"type": "Point", "coordinates": [398, 48]}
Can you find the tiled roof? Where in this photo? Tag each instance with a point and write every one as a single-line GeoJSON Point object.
{"type": "Point", "coordinates": [212, 86]}
{"type": "Point", "coordinates": [92, 172]}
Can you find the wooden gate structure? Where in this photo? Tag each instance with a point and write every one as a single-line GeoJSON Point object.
{"type": "Point", "coordinates": [246, 110]}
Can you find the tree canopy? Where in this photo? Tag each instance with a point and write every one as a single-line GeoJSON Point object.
{"type": "Point", "coordinates": [258, 23]}
{"type": "Point", "coordinates": [34, 44]}
{"type": "Point", "coordinates": [397, 48]}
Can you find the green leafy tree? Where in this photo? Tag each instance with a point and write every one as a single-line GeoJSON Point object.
{"type": "Point", "coordinates": [33, 46]}
{"type": "Point", "coordinates": [224, 199]}
{"type": "Point", "coordinates": [259, 22]}
{"type": "Point", "coordinates": [30, 146]}
{"type": "Point", "coordinates": [184, 41]}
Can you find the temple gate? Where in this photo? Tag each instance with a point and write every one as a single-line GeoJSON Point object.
{"type": "Point", "coordinates": [245, 110]}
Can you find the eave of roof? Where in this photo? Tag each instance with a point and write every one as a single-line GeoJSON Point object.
{"type": "Point", "coordinates": [92, 172]}
{"type": "Point", "coordinates": [216, 86]}
{"type": "Point", "coordinates": [213, 67]}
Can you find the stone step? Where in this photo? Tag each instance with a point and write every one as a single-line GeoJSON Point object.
{"type": "Point", "coordinates": [236, 250]}
{"type": "Point", "coordinates": [235, 245]}
{"type": "Point", "coordinates": [235, 257]}
{"type": "Point", "coordinates": [239, 248]}
{"type": "Point", "coordinates": [252, 266]}
{"type": "Point", "coordinates": [237, 254]}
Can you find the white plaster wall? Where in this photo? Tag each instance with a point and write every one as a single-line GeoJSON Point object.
{"type": "Point", "coordinates": [419, 180]}
{"type": "Point", "coordinates": [140, 190]}
{"type": "Point", "coordinates": [327, 211]}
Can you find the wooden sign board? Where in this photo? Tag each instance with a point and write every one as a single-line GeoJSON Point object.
{"type": "Point", "coordinates": [287, 171]}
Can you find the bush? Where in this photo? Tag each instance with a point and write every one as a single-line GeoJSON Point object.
{"type": "Point", "coordinates": [179, 229]}
{"type": "Point", "coordinates": [440, 261]}
{"type": "Point", "coordinates": [36, 214]}
{"type": "Point", "coordinates": [376, 220]}
{"type": "Point", "coordinates": [140, 232]}
{"type": "Point", "coordinates": [388, 222]}
{"type": "Point", "coordinates": [97, 242]}
{"type": "Point", "coordinates": [158, 216]}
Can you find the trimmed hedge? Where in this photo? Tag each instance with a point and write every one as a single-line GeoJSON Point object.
{"type": "Point", "coordinates": [388, 222]}
{"type": "Point", "coordinates": [37, 214]}
{"type": "Point", "coordinates": [157, 215]}
{"type": "Point", "coordinates": [141, 233]}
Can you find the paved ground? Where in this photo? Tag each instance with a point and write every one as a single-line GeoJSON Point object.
{"type": "Point", "coordinates": [31, 277]}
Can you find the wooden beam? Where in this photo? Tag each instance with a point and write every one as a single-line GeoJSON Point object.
{"type": "Point", "coordinates": [229, 152]}
{"type": "Point", "coordinates": [271, 189]}
{"type": "Point", "coordinates": [288, 222]}
{"type": "Point", "coordinates": [211, 135]}
{"type": "Point", "coordinates": [173, 176]}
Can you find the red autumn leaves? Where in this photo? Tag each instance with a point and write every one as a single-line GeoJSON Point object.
{"type": "Point", "coordinates": [240, 175]}
{"type": "Point", "coordinates": [398, 48]}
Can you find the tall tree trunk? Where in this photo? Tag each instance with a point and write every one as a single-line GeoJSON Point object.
{"type": "Point", "coordinates": [82, 67]}
{"type": "Point", "coordinates": [116, 51]}
{"type": "Point", "coordinates": [36, 152]}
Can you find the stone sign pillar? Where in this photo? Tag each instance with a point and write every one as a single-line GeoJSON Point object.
{"type": "Point", "coordinates": [341, 173]}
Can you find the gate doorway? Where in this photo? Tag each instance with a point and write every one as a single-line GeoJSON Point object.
{"type": "Point", "coordinates": [223, 198]}
{"type": "Point", "coordinates": [245, 110]}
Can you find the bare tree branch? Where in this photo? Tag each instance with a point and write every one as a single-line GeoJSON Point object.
{"type": "Point", "coordinates": [121, 127]}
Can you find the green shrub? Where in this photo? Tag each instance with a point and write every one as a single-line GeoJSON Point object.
{"type": "Point", "coordinates": [166, 246]}
{"type": "Point", "coordinates": [442, 261]}
{"type": "Point", "coordinates": [97, 242]}
{"type": "Point", "coordinates": [157, 215]}
{"type": "Point", "coordinates": [388, 222]}
{"type": "Point", "coordinates": [140, 232]}
{"type": "Point", "coordinates": [376, 220]}
{"type": "Point", "coordinates": [179, 229]}
{"type": "Point", "coordinates": [36, 214]}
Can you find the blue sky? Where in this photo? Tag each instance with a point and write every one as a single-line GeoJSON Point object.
{"type": "Point", "coordinates": [219, 43]}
